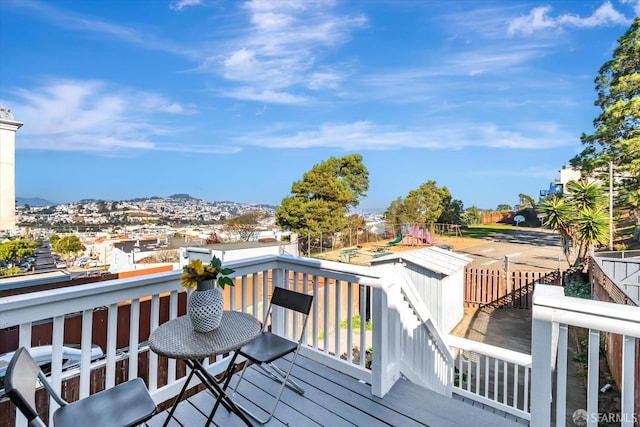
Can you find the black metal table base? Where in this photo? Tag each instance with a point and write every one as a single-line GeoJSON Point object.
{"type": "Point", "coordinates": [212, 384]}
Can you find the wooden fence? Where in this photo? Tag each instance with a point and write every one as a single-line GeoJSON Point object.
{"type": "Point", "coordinates": [605, 289]}
{"type": "Point", "coordinates": [485, 287]}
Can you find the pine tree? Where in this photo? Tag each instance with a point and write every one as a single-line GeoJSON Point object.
{"type": "Point", "coordinates": [617, 128]}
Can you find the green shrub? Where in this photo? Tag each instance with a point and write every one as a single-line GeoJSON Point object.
{"type": "Point", "coordinates": [355, 323]}
{"type": "Point", "coordinates": [578, 289]}
{"type": "Point", "coordinates": [12, 271]}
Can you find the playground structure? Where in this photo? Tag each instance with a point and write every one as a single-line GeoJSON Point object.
{"type": "Point", "coordinates": [416, 235]}
{"type": "Point", "coordinates": [395, 241]}
{"type": "Point", "coordinates": [353, 244]}
{"type": "Point", "coordinates": [424, 234]}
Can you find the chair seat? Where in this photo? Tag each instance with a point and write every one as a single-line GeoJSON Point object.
{"type": "Point", "coordinates": [127, 404]}
{"type": "Point", "coordinates": [267, 347]}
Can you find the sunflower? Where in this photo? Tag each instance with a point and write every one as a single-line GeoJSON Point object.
{"type": "Point", "coordinates": [197, 271]}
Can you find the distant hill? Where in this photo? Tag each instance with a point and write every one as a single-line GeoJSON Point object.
{"type": "Point", "coordinates": [181, 196]}
{"type": "Point", "coordinates": [36, 201]}
{"type": "Point", "coordinates": [33, 201]}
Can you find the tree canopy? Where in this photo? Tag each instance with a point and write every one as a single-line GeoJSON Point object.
{"type": "Point", "coordinates": [472, 216]}
{"type": "Point", "coordinates": [526, 201]}
{"type": "Point", "coordinates": [245, 225]}
{"type": "Point", "coordinates": [68, 245]}
{"type": "Point", "coordinates": [580, 218]}
{"type": "Point", "coordinates": [426, 204]}
{"type": "Point", "coordinates": [15, 250]}
{"type": "Point", "coordinates": [321, 200]}
{"type": "Point", "coordinates": [616, 137]}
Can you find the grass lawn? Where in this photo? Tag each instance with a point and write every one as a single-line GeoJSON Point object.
{"type": "Point", "coordinates": [479, 231]}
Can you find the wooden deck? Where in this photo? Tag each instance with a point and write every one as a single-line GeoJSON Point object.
{"type": "Point", "coordinates": [334, 399]}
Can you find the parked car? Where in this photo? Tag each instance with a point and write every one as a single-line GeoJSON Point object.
{"type": "Point", "coordinates": [61, 264]}
{"type": "Point", "coordinates": [80, 262]}
{"type": "Point", "coordinates": [42, 355]}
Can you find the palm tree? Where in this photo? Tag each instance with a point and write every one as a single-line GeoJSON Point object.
{"type": "Point", "coordinates": [586, 195]}
{"type": "Point", "coordinates": [558, 216]}
{"type": "Point", "coordinates": [592, 227]}
{"type": "Point", "coordinates": [580, 218]}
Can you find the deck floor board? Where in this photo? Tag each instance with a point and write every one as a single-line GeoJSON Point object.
{"type": "Point", "coordinates": [334, 399]}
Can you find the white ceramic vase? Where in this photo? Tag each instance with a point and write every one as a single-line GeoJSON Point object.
{"type": "Point", "coordinates": [205, 306]}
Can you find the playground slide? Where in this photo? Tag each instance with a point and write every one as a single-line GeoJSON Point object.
{"type": "Point", "coordinates": [396, 240]}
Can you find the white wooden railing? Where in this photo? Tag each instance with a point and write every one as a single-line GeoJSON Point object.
{"type": "Point", "coordinates": [426, 358]}
{"type": "Point", "coordinates": [552, 314]}
{"type": "Point", "coordinates": [399, 331]}
{"type": "Point", "coordinates": [343, 294]}
{"type": "Point", "coordinates": [491, 375]}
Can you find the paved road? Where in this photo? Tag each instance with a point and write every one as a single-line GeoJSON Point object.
{"type": "Point", "coordinates": [527, 249]}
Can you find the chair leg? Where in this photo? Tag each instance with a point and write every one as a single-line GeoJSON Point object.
{"type": "Point", "coordinates": [280, 375]}
{"type": "Point", "coordinates": [244, 368]}
{"type": "Point", "coordinates": [270, 413]}
{"type": "Point", "coordinates": [284, 380]}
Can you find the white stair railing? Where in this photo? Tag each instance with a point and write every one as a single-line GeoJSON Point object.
{"type": "Point", "coordinates": [491, 375]}
{"type": "Point", "coordinates": [552, 314]}
{"type": "Point", "coordinates": [426, 357]}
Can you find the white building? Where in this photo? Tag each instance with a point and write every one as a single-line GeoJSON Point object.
{"type": "Point", "coordinates": [8, 128]}
{"type": "Point", "coordinates": [567, 173]}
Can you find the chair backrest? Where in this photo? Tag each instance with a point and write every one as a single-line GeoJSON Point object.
{"type": "Point", "coordinates": [20, 382]}
{"type": "Point", "coordinates": [292, 300]}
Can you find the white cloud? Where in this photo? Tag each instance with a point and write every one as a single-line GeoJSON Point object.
{"type": "Point", "coordinates": [324, 80]}
{"type": "Point", "coordinates": [270, 21]}
{"type": "Point", "coordinates": [635, 3]}
{"type": "Point", "coordinates": [83, 23]}
{"type": "Point", "coordinates": [365, 135]}
{"type": "Point", "coordinates": [604, 15]}
{"type": "Point", "coordinates": [493, 59]}
{"type": "Point", "coordinates": [540, 19]}
{"type": "Point", "coordinates": [91, 116]}
{"type": "Point", "coordinates": [181, 4]}
{"type": "Point", "coordinates": [255, 94]}
{"type": "Point", "coordinates": [283, 48]}
{"type": "Point", "coordinates": [535, 21]}
{"type": "Point", "coordinates": [240, 65]}
{"type": "Point", "coordinates": [277, 50]}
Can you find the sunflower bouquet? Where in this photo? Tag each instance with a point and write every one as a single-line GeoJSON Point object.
{"type": "Point", "coordinates": [197, 271]}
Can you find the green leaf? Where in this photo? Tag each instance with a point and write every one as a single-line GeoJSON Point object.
{"type": "Point", "coordinates": [223, 281]}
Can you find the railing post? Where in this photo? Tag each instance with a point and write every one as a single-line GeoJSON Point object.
{"type": "Point", "coordinates": [541, 364]}
{"type": "Point", "coordinates": [385, 369]}
{"type": "Point", "coordinates": [380, 356]}
{"type": "Point", "coordinates": [628, 374]}
{"type": "Point", "coordinates": [278, 324]}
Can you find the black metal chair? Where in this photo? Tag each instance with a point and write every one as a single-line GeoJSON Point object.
{"type": "Point", "coordinates": [127, 404]}
{"type": "Point", "coordinates": [268, 347]}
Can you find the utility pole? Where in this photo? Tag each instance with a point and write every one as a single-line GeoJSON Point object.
{"type": "Point", "coordinates": [610, 206]}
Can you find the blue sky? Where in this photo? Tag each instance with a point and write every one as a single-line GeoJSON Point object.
{"type": "Point", "coordinates": [234, 100]}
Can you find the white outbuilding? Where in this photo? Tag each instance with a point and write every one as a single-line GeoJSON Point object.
{"type": "Point", "coordinates": [438, 276]}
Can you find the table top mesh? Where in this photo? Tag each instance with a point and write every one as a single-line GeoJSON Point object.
{"type": "Point", "coordinates": [178, 340]}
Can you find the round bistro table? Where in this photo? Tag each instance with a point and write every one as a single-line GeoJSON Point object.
{"type": "Point", "coordinates": [176, 339]}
